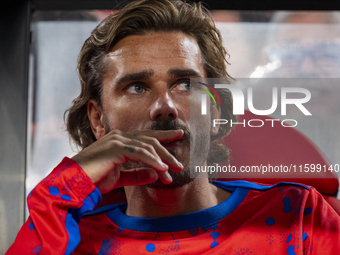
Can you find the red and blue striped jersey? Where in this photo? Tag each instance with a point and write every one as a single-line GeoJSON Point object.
{"type": "Point", "coordinates": [286, 218]}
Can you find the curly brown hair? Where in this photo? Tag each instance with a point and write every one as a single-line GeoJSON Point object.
{"type": "Point", "coordinates": [138, 18]}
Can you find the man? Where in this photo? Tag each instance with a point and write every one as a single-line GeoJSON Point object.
{"type": "Point", "coordinates": [132, 120]}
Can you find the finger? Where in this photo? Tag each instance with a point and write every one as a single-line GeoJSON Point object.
{"type": "Point", "coordinates": [142, 176]}
{"type": "Point", "coordinates": [131, 145]}
{"type": "Point", "coordinates": [140, 154]}
{"type": "Point", "coordinates": [165, 177]}
{"type": "Point", "coordinates": [163, 153]}
{"type": "Point", "coordinates": [137, 176]}
{"type": "Point", "coordinates": [152, 145]}
{"type": "Point", "coordinates": [160, 135]}
{"type": "Point", "coordinates": [136, 143]}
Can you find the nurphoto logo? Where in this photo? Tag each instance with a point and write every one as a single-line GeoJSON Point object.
{"type": "Point", "coordinates": [287, 95]}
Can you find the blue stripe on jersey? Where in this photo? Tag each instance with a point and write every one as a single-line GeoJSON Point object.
{"type": "Point", "coordinates": [193, 220]}
{"type": "Point", "coordinates": [251, 185]}
{"type": "Point", "coordinates": [74, 215]}
{"type": "Point", "coordinates": [106, 208]}
{"type": "Point", "coordinates": [203, 218]}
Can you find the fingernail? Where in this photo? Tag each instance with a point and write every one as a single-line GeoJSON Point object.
{"type": "Point", "coordinates": [168, 176]}
{"type": "Point", "coordinates": [179, 164]}
{"type": "Point", "coordinates": [164, 165]}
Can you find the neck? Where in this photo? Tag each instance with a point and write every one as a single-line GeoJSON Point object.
{"type": "Point", "coordinates": [155, 202]}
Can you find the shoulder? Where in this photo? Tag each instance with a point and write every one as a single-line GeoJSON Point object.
{"type": "Point", "coordinates": [282, 196]}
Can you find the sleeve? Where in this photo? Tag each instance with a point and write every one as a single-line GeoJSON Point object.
{"type": "Point", "coordinates": [323, 224]}
{"type": "Point", "coordinates": [56, 205]}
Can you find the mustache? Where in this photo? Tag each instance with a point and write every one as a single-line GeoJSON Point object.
{"type": "Point", "coordinates": [171, 125]}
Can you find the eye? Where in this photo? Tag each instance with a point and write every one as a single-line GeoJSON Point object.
{"type": "Point", "coordinates": [183, 85]}
{"type": "Point", "coordinates": [135, 88]}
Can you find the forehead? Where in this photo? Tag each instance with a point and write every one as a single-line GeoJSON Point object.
{"type": "Point", "coordinates": [155, 51]}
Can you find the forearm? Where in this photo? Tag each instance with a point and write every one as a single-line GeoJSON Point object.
{"type": "Point", "coordinates": [56, 205]}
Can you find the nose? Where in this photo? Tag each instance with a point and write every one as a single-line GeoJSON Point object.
{"type": "Point", "coordinates": [163, 108]}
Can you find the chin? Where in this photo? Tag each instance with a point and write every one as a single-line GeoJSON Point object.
{"type": "Point", "coordinates": [179, 180]}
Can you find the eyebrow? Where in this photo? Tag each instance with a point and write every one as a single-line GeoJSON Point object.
{"type": "Point", "coordinates": [135, 76]}
{"type": "Point", "coordinates": [149, 73]}
{"type": "Point", "coordinates": [183, 73]}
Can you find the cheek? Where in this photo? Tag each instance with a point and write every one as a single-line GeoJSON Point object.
{"type": "Point", "coordinates": [125, 116]}
{"type": "Point", "coordinates": [124, 122]}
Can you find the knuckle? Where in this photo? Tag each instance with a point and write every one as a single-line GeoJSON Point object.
{"type": "Point", "coordinates": [114, 143]}
{"type": "Point", "coordinates": [153, 141]}
{"type": "Point", "coordinates": [144, 152]}
{"type": "Point", "coordinates": [115, 136]}
{"type": "Point", "coordinates": [139, 150]}
{"type": "Point", "coordinates": [148, 146]}
{"type": "Point", "coordinates": [116, 132]}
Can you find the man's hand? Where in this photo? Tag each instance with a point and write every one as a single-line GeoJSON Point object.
{"type": "Point", "coordinates": [101, 160]}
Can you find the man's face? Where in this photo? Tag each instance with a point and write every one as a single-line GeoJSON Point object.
{"type": "Point", "coordinates": [147, 86]}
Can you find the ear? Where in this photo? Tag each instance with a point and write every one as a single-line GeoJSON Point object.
{"type": "Point", "coordinates": [96, 117]}
{"type": "Point", "coordinates": [216, 114]}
